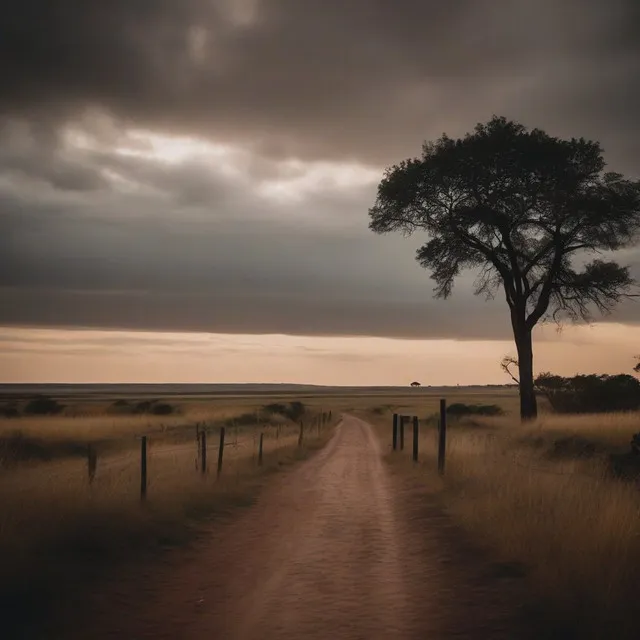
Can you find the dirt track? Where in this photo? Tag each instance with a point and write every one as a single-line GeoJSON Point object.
{"type": "Point", "coordinates": [331, 550]}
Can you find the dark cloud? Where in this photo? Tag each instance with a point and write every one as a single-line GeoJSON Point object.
{"type": "Point", "coordinates": [93, 236]}
{"type": "Point", "coordinates": [367, 79]}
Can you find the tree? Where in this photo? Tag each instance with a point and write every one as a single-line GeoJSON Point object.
{"type": "Point", "coordinates": [415, 384]}
{"type": "Point", "coordinates": [525, 210]}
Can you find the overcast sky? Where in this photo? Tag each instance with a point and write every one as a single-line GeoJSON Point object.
{"type": "Point", "coordinates": [208, 165]}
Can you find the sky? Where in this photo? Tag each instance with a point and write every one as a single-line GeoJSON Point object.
{"type": "Point", "coordinates": [185, 184]}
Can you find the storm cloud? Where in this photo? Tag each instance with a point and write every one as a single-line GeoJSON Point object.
{"type": "Point", "coordinates": [292, 109]}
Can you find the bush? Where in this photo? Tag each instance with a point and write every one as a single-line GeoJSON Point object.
{"type": "Point", "coordinates": [294, 411]}
{"type": "Point", "coordinates": [275, 408]}
{"type": "Point", "coordinates": [43, 406]}
{"type": "Point", "coordinates": [590, 393]}
{"type": "Point", "coordinates": [9, 411]}
{"type": "Point", "coordinates": [162, 409]}
{"type": "Point", "coordinates": [459, 409]}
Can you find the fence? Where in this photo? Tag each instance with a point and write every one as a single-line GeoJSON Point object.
{"type": "Point", "coordinates": [162, 466]}
{"type": "Point", "coordinates": [397, 434]}
{"type": "Point", "coordinates": [487, 447]}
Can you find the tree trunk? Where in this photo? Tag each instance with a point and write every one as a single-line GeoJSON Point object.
{"type": "Point", "coordinates": [528, 404]}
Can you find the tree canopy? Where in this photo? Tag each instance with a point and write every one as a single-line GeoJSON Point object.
{"type": "Point", "coordinates": [526, 210]}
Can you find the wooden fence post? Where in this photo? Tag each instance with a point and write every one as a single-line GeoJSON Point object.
{"type": "Point", "coordinates": [402, 433]}
{"type": "Point", "coordinates": [143, 467]}
{"type": "Point", "coordinates": [260, 450]}
{"type": "Point", "coordinates": [203, 451]}
{"type": "Point", "coordinates": [442, 436]}
{"type": "Point", "coordinates": [416, 433]}
{"type": "Point", "coordinates": [394, 432]}
{"type": "Point", "coordinates": [220, 451]}
{"type": "Point", "coordinates": [301, 435]}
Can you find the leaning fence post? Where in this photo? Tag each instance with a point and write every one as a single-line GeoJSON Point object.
{"type": "Point", "coordinates": [203, 451]}
{"type": "Point", "coordinates": [394, 432]}
{"type": "Point", "coordinates": [220, 451]}
{"type": "Point", "coordinates": [416, 433]}
{"type": "Point", "coordinates": [143, 467]}
{"type": "Point", "coordinates": [442, 436]}
{"type": "Point", "coordinates": [260, 450]}
{"type": "Point", "coordinates": [301, 435]}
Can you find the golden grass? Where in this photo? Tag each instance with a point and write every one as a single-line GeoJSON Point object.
{"type": "Point", "coordinates": [54, 524]}
{"type": "Point", "coordinates": [574, 528]}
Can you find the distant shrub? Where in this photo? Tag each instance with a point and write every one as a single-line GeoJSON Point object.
{"type": "Point", "coordinates": [144, 406]}
{"type": "Point", "coordinates": [460, 409]}
{"type": "Point", "coordinates": [9, 411]}
{"type": "Point", "coordinates": [294, 410]}
{"type": "Point", "coordinates": [275, 408]}
{"type": "Point", "coordinates": [43, 406]}
{"type": "Point", "coordinates": [162, 409]}
{"type": "Point", "coordinates": [590, 393]}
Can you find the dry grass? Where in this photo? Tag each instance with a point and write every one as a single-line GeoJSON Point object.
{"type": "Point", "coordinates": [572, 528]}
{"type": "Point", "coordinates": [55, 525]}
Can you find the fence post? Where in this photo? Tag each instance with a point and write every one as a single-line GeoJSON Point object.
{"type": "Point", "coordinates": [143, 467]}
{"type": "Point", "coordinates": [203, 451]}
{"type": "Point", "coordinates": [260, 449]}
{"type": "Point", "coordinates": [416, 433]}
{"type": "Point", "coordinates": [220, 451]}
{"type": "Point", "coordinates": [442, 436]}
{"type": "Point", "coordinates": [402, 433]}
{"type": "Point", "coordinates": [301, 436]}
{"type": "Point", "coordinates": [394, 432]}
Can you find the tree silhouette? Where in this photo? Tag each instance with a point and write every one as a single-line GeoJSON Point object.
{"type": "Point", "coordinates": [524, 209]}
{"type": "Point", "coordinates": [415, 384]}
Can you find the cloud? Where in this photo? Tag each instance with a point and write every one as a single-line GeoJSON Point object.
{"type": "Point", "coordinates": [207, 165]}
{"type": "Point", "coordinates": [366, 80]}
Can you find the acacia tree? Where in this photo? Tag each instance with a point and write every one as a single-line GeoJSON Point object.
{"type": "Point", "coordinates": [525, 209]}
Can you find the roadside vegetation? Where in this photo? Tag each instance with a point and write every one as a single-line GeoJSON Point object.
{"type": "Point", "coordinates": [70, 486]}
{"type": "Point", "coordinates": [556, 501]}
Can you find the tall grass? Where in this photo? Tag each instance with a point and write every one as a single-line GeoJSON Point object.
{"type": "Point", "coordinates": [573, 527]}
{"type": "Point", "coordinates": [55, 526]}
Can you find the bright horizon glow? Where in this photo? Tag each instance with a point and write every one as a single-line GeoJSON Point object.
{"type": "Point", "coordinates": [96, 356]}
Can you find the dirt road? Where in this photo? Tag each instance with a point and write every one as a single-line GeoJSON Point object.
{"type": "Point", "coordinates": [327, 552]}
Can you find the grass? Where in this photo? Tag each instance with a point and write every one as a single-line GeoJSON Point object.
{"type": "Point", "coordinates": [543, 498]}
{"type": "Point", "coordinates": [58, 529]}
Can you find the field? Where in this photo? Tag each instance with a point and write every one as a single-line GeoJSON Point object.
{"type": "Point", "coordinates": [555, 502]}
{"type": "Point", "coordinates": [62, 524]}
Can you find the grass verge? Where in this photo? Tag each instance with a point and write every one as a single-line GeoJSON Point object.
{"type": "Point", "coordinates": [543, 500]}
{"type": "Point", "coordinates": [59, 535]}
